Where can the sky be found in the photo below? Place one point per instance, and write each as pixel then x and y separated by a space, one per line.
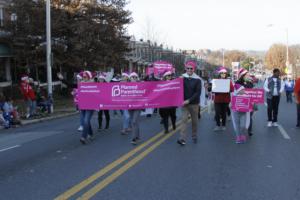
pixel 216 24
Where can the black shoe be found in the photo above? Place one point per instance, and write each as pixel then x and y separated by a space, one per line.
pixel 82 140
pixel 195 140
pixel 181 142
pixel 250 133
pixel 174 127
pixel 297 125
pixel 166 131
pixel 135 141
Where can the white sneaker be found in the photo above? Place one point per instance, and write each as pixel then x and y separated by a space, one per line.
pixel 275 124
pixel 269 124
pixel 217 128
pixel 80 128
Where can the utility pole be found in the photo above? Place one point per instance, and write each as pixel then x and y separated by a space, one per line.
pixel 49 68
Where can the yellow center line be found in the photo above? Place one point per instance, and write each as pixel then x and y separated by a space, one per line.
pixel 70 192
pixel 97 188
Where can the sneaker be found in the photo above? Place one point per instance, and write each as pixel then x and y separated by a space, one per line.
pixel 238 140
pixel 82 140
pixel 123 132
pixel 250 133
pixel 275 124
pixel 269 124
pixel 223 128
pixel 181 142
pixel 80 128
pixel 135 141
pixel 27 116
pixel 90 137
pixel 217 128
pixel 243 138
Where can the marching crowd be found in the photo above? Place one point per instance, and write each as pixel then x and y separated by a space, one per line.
pixel 197 93
pixel 195 88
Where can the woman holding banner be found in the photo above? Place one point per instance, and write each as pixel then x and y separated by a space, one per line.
pixel 167 112
pixel 101 79
pixel 135 115
pixel 241 118
pixel 222 87
pixel 125 114
pixel 87 114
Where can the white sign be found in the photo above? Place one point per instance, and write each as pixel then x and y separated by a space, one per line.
pixel 221 85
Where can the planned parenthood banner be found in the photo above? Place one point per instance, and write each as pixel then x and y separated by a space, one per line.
pixel 130 95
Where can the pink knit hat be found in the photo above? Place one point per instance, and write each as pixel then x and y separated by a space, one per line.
pixel 132 74
pixel 87 74
pixel 191 63
pixel 242 72
pixel 222 70
pixel 167 73
pixel 125 74
pixel 24 77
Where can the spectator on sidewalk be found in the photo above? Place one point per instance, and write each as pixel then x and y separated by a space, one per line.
pixel 29 96
pixel 289 89
pixel 297 99
pixel 43 102
pixel 192 91
pixel 10 113
pixel 273 87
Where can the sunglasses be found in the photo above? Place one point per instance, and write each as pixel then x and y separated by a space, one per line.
pixel 134 77
pixel 188 68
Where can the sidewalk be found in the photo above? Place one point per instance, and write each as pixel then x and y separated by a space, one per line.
pixel 58 113
pixel 63 107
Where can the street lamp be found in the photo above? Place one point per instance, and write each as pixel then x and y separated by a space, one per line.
pixel 49 68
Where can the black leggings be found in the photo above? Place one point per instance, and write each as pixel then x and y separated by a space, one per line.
pixel 165 113
pixel 107 118
pixel 221 112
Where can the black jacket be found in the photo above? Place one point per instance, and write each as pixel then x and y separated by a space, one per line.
pixel 192 90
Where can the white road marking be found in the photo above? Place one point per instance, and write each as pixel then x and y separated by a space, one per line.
pixel 8 148
pixel 283 132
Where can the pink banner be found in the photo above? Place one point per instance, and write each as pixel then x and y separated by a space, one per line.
pixel 130 95
pixel 256 95
pixel 160 67
pixel 241 104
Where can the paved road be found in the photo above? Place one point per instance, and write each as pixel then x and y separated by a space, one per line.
pixel 46 161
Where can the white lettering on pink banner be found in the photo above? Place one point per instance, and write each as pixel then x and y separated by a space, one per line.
pixel 124 95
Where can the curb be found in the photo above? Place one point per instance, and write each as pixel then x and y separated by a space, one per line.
pixel 26 122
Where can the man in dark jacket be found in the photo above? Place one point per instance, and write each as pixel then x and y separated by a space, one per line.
pixel 192 91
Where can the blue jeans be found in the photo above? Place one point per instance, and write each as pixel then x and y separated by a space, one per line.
pixel 31 104
pixel 81 117
pixel 87 128
pixel 135 122
pixel 126 119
